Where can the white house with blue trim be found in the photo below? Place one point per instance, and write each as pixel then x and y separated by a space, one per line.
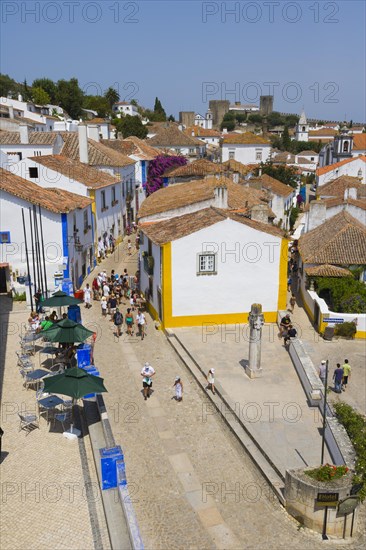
pixel 67 227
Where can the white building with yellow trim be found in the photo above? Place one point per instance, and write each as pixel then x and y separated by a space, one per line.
pixel 204 260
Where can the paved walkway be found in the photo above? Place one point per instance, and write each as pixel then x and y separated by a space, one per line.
pixel 50 495
pixel 191 483
pixel 335 351
pixel 274 407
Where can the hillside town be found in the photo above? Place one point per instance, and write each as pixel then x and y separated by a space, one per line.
pixel 241 227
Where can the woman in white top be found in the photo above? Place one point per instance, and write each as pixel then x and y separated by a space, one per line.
pixel 211 380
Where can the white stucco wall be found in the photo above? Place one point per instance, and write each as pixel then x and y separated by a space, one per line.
pixel 14 253
pixel 249 275
pixel 246 154
pixel 348 169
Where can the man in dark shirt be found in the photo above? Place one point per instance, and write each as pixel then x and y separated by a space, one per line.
pixel 291 333
pixel 338 377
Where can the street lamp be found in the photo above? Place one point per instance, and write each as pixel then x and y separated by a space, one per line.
pixel 324 411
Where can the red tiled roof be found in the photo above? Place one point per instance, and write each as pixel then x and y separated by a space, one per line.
pixel 331 167
pixel 54 200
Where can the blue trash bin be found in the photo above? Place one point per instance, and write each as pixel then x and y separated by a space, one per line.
pixel 83 355
pixel 74 314
pixel 108 466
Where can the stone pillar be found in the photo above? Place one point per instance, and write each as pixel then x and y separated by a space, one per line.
pixel 256 322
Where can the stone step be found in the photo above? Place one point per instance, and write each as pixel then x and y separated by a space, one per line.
pixel 223 405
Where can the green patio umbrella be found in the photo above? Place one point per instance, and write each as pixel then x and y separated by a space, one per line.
pixel 61 299
pixel 67 331
pixel 75 383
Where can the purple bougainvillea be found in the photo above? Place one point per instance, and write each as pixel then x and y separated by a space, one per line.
pixel 156 169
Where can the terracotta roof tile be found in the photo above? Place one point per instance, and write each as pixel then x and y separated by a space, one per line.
pixel 54 200
pixel 165 231
pixel 341 240
pixel 199 167
pixel 323 132
pixel 35 138
pixel 273 185
pixel 179 195
pixel 359 142
pixel 172 136
pixel 331 167
pixel 337 187
pixel 327 270
pixel 235 166
pixel 99 154
pixel 246 138
pixel 201 132
pixel 76 170
pixel 132 146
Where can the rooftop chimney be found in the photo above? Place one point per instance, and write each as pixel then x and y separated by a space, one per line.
pixel 317 214
pixel 93 131
pixel 83 143
pixel 24 136
pixel 350 193
pixel 259 213
pixel 20 97
pixel 220 191
pixel 11 111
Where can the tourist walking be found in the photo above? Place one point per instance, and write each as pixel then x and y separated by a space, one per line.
pixel 147 373
pixel 338 377
pixel 129 247
pixel 95 287
pixel 292 303
pixel 346 374
pixel 104 306
pixel 87 296
pixel 289 283
pixel 284 325
pixel 141 323
pixel 211 380
pixel 118 320
pixel 178 384
pixel 323 371
pixel 129 322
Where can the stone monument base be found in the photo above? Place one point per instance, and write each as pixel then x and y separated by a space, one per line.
pixel 253 373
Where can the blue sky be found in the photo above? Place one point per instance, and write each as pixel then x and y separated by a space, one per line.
pixel 311 54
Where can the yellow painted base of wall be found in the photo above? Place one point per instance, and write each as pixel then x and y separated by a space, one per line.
pixel 215 319
pixel 360 335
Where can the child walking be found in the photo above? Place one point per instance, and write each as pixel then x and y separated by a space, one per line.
pixel 178 384
pixel 104 306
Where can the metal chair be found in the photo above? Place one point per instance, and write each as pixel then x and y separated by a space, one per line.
pixel 28 422
pixel 62 418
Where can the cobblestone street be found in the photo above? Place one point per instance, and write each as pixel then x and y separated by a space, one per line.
pixel 191 482
pixel 49 489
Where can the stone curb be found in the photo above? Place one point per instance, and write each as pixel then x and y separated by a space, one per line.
pixel 271 474
pixel 121 520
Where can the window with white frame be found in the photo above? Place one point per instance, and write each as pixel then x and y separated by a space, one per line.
pixel 231 154
pixel 206 264
pixel 104 204
pixel 258 154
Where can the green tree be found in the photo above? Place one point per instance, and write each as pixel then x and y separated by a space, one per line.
pixel 40 97
pixel 47 85
pixel 291 120
pixel 131 126
pixel 134 102
pixel 112 96
pixel 97 103
pixel 171 118
pixel 255 118
pixel 7 85
pixel 70 97
pixel 287 174
pixel 275 119
pixel 286 141
pixel 159 110
pixel 240 117
pixel 27 95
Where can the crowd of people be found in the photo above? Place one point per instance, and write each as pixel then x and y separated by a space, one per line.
pixel 114 290
pixel 340 377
